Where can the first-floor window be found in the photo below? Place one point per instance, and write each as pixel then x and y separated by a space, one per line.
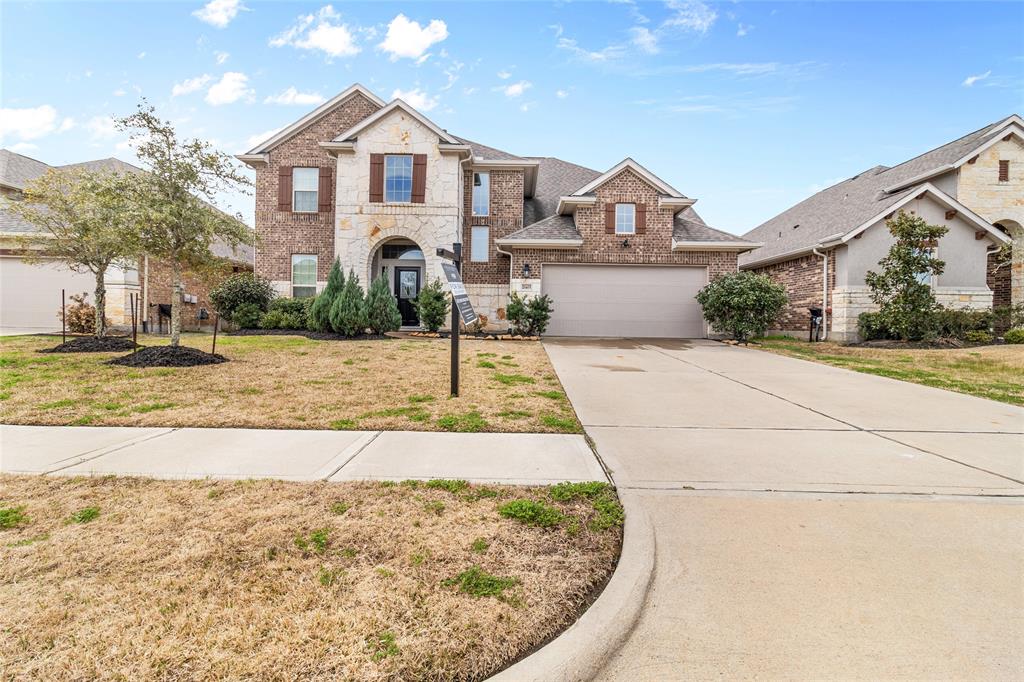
pixel 926 277
pixel 625 218
pixel 303 275
pixel 480 241
pixel 305 186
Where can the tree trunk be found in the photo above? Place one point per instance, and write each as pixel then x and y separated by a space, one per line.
pixel 100 295
pixel 176 304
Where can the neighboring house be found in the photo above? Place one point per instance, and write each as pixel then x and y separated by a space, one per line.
pixel 822 248
pixel 30 292
pixel 381 187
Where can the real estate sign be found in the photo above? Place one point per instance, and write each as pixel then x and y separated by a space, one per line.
pixel 458 289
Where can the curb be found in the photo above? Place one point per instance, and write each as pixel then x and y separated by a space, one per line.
pixel 591 642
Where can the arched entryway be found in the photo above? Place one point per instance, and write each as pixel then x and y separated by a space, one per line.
pixel 402 263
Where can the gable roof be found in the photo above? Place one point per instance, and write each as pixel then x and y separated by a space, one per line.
pixel 659 184
pixel 313 116
pixel 394 105
pixel 555 178
pixel 838 210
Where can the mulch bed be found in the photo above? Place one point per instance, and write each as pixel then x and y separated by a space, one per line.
pixel 315 336
pixel 91 344
pixel 169 356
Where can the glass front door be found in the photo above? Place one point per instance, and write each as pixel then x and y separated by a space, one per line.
pixel 407 288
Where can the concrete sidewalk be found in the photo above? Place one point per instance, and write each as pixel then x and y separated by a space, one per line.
pixel 513 458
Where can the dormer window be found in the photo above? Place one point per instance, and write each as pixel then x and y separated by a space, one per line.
pixel 398 178
pixel 625 218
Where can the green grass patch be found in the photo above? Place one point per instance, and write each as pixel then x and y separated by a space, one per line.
pixel 532 513
pixel 553 421
pixel 453 486
pixel 512 379
pixel 435 507
pixel 339 508
pixel 487 355
pixel 317 541
pixel 382 645
pixel 152 407
pixel 486 364
pixel 479 546
pixel 468 422
pixel 552 395
pixel 416 399
pixel 330 576
pixel 12 517
pixel 84 515
pixel 344 424
pixel 30 541
pixel 477 582
pixel 58 404
pixel 608 512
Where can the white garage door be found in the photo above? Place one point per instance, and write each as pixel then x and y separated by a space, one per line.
pixel 30 294
pixel 624 300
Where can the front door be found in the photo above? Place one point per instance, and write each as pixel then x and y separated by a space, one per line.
pixel 407 288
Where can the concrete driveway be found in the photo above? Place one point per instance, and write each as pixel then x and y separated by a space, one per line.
pixel 810 522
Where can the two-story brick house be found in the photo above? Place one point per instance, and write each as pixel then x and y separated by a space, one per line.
pixel 381 187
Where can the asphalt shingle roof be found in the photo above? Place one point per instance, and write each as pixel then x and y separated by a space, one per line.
pixel 555 178
pixel 482 151
pixel 850 203
pixel 690 227
pixel 16 169
pixel 552 227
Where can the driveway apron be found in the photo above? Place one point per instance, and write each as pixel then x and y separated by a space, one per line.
pixel 810 522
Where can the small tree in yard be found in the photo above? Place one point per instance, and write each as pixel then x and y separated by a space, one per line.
pixel 382 314
pixel 240 289
pixel 83 221
pixel 742 304
pixel 174 203
pixel 432 305
pixel 529 317
pixel 320 314
pixel 902 290
pixel 348 312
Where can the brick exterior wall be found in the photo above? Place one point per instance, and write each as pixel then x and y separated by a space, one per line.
pixel 654 247
pixel 505 216
pixel 802 279
pixel 196 284
pixel 998 280
pixel 281 233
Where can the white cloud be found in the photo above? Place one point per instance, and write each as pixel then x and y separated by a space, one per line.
pixel 644 39
pixel 406 38
pixel 67 124
pixel 219 13
pixel 190 85
pixel 232 87
pixel 743 29
pixel 416 98
pixel 561 94
pixel 120 92
pixel 469 91
pixel 142 55
pixel 971 80
pixel 504 75
pixel 452 73
pixel 29 123
pixel 23 147
pixel 322 31
pixel 221 57
pixel 292 96
pixel 254 140
pixel 606 54
pixel 515 89
pixel 101 127
pixel 690 15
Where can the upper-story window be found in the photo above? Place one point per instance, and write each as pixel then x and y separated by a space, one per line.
pixel 625 218
pixel 398 178
pixel 305 185
pixel 481 193
pixel 1004 170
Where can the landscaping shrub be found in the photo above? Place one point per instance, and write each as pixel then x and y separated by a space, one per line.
pixel 287 313
pixel 81 316
pixel 319 319
pixel 382 313
pixel 348 312
pixel 247 316
pixel 979 336
pixel 956 324
pixel 742 304
pixel 907 304
pixel 1008 317
pixel 1015 335
pixel 241 289
pixel 529 317
pixel 432 305
pixel 870 327
pixel 531 513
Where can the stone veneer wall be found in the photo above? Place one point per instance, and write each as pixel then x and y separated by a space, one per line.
pixel 282 233
pixel 802 279
pixel 849 302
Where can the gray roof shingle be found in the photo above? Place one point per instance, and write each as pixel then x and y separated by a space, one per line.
pixel 16 169
pixel 552 227
pixel 690 227
pixel 482 151
pixel 555 178
pixel 850 203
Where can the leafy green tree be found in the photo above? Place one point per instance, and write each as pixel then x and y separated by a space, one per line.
pixel 83 222
pixel 902 289
pixel 348 312
pixel 320 313
pixel 243 287
pixel 529 316
pixel 382 313
pixel 174 203
pixel 742 304
pixel 432 305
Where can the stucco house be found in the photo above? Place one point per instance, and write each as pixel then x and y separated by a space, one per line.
pixel 822 247
pixel 30 288
pixel 381 187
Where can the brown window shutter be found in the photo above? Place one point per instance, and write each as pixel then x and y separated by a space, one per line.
pixel 326 190
pixel 284 188
pixel 376 177
pixel 419 178
pixel 1004 171
pixel 609 218
pixel 641 218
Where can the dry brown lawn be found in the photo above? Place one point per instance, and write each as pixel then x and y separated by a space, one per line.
pixel 198 580
pixel 993 372
pixel 291 382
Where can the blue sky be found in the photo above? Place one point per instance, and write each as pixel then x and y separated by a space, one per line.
pixel 747 106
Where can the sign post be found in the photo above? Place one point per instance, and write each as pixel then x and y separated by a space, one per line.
pixel 461 307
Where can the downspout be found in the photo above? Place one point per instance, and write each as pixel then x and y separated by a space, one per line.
pixel 145 292
pixel 824 292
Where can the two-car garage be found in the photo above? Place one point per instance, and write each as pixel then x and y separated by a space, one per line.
pixel 625 300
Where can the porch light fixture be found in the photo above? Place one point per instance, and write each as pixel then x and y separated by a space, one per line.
pixel 526 270
pixel 625 243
